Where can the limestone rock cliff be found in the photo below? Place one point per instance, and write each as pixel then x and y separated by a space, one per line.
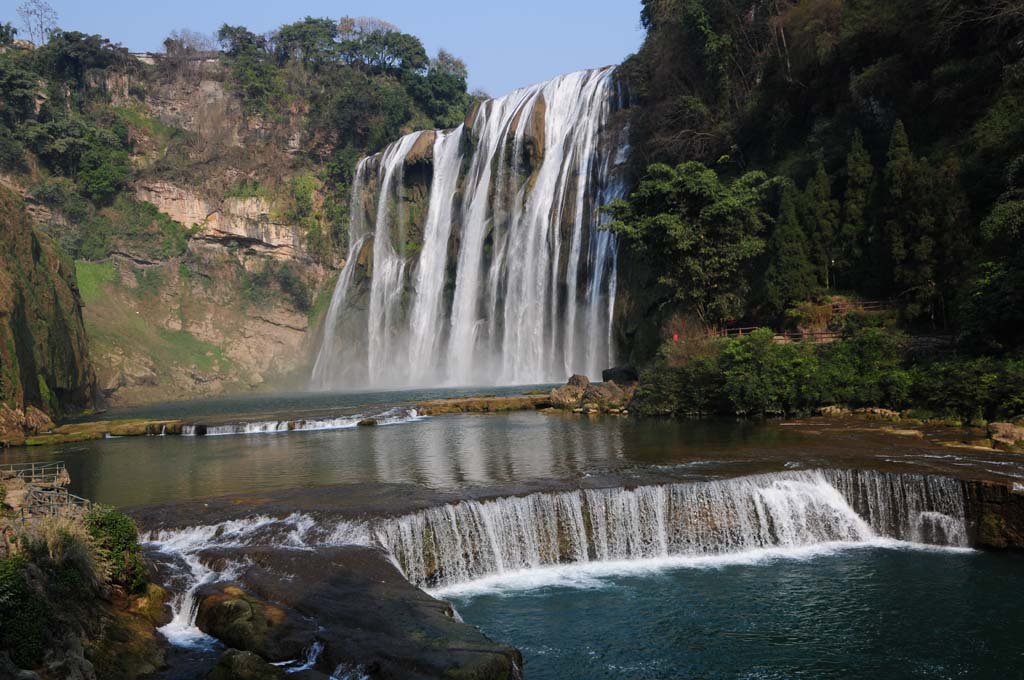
pixel 44 359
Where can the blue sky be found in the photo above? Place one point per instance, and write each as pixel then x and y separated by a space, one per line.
pixel 505 44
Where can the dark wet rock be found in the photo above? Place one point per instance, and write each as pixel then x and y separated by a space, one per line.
pixel 154 605
pixel 370 617
pixel 239 665
pixel 9 670
pixel 245 622
pixel 367 422
pixel 995 513
pixel 620 374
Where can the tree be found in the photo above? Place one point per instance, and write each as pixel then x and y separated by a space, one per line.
pixel 7 33
pixel 39 18
pixel 252 72
pixel 855 230
pixel 310 41
pixel 183 49
pixel 447 64
pixel 992 302
pixel 70 54
pixel 790 274
pixel 821 223
pixel 908 224
pixel 699 233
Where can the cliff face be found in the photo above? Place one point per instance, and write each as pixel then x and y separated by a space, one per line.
pixel 203 281
pixel 44 360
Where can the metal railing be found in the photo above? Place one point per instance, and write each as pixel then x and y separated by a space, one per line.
pixel 52 503
pixel 35 473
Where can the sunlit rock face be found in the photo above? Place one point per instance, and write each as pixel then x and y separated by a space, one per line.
pixel 476 254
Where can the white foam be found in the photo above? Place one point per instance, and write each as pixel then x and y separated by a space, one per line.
pixel 594 575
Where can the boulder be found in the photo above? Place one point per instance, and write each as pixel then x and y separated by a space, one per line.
pixel 367 422
pixel 880 413
pixel 607 396
pixel 622 375
pixel 569 395
pixel 245 622
pixel 238 665
pixel 833 411
pixel 1007 435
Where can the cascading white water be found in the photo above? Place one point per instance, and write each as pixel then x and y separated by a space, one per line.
pixel 459 542
pixel 511 281
pixel 462 542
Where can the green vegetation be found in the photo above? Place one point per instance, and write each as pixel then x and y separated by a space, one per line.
pixel 257 286
pixel 901 122
pixel 137 119
pixel 91 277
pixel 756 376
pixel 55 596
pixel 117 544
pixel 24 612
pixel 133 226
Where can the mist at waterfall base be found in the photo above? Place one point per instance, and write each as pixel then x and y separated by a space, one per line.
pixel 868 613
pixel 506 278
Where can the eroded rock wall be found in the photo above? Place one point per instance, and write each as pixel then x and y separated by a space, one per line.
pixel 44 359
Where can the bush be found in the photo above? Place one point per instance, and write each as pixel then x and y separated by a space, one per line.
pixel 971 389
pixel 24 613
pixel 63 547
pixel 754 375
pixel 865 369
pixel 762 376
pixel 117 542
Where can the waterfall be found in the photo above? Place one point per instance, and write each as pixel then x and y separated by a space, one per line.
pixel 468 540
pixel 488 265
pixel 461 542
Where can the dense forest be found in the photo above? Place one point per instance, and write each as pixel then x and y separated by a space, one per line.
pixel 795 155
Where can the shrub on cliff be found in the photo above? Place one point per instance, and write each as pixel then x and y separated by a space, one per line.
pixel 117 544
pixel 24 613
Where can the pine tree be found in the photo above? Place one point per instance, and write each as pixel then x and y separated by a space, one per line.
pixel 790 274
pixel 854 231
pixel 896 209
pixel 822 222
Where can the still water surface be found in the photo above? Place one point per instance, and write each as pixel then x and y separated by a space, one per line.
pixel 449 453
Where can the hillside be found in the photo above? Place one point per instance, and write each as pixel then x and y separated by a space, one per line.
pixel 203 193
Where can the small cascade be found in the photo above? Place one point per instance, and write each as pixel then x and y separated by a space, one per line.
pixel 475 254
pixel 182 550
pixel 915 508
pixel 388 417
pixel 464 541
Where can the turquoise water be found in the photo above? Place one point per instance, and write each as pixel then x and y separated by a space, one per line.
pixel 868 613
